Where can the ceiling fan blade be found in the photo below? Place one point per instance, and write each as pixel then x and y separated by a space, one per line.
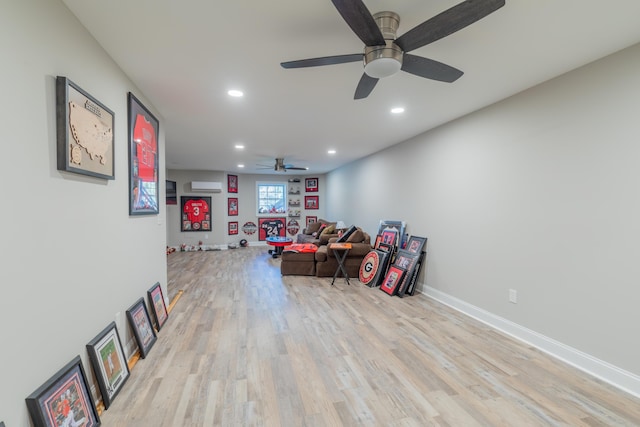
pixel 358 17
pixel 430 69
pixel 325 60
pixel 295 168
pixel 365 86
pixel 447 22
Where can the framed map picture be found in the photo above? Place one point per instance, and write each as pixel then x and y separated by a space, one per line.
pixel 196 213
pixel 143 159
pixel 84 132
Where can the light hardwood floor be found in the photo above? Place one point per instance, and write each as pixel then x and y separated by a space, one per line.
pixel 245 346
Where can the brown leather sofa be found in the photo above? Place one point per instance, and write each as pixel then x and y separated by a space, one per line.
pixel 326 262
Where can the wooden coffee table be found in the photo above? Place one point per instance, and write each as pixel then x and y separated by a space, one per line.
pixel 278 243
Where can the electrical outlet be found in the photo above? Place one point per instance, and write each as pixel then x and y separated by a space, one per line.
pixel 513 296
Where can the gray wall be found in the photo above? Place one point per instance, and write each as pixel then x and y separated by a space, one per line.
pixel 538 193
pixel 246 205
pixel 72 257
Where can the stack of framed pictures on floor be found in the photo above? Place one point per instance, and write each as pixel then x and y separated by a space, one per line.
pixel 65 399
pixel 402 275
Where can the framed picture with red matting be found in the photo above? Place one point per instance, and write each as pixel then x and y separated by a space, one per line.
pixel 393 279
pixel 232 183
pixel 232 206
pixel 311 202
pixel 271 227
pixel 311 185
pixel 64 398
pixel 233 228
pixel 158 307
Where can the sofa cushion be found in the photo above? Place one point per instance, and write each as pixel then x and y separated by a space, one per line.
pixel 356 237
pixel 312 228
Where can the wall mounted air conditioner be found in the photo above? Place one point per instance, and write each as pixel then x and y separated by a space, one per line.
pixel 206 186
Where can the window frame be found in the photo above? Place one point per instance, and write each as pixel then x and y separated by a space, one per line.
pixel 284 200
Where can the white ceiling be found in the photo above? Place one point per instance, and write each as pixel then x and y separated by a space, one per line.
pixel 184 56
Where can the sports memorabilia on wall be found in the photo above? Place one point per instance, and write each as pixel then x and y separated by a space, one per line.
pixel 232 183
pixel 268 227
pixel 196 213
pixel 143 159
pixel 233 228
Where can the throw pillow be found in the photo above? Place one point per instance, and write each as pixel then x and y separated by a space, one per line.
pixel 320 230
pixel 347 234
pixel 329 229
pixel 313 227
pixel 356 237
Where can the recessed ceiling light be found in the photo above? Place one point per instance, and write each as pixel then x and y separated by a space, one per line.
pixel 240 146
pixel 235 93
pixel 331 151
pixel 397 110
pixel 240 165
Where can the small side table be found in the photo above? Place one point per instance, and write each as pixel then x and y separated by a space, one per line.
pixel 279 243
pixel 340 250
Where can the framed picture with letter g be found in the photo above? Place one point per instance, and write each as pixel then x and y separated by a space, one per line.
pixel 143 159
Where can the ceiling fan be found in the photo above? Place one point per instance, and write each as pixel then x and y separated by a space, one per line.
pixel 281 166
pixel 384 54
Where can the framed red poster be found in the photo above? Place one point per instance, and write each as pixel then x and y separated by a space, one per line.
pixel 143 159
pixel 232 183
pixel 271 227
pixel 233 228
pixel 311 185
pixel 311 202
pixel 196 213
pixel 232 206
pixel 393 279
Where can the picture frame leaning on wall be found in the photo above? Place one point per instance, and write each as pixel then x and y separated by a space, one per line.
pixel 108 362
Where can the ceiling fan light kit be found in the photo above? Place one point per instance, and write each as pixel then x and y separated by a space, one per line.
pixel 385 55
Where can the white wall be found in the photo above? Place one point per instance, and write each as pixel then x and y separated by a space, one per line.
pixel 246 196
pixel 538 193
pixel 72 257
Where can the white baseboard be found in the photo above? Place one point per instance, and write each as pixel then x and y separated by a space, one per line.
pixel 607 372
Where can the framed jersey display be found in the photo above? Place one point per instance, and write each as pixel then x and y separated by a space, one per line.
pixel 268 227
pixel 196 213
pixel 84 132
pixel 143 159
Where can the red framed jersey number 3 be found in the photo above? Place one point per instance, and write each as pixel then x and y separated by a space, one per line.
pixel 196 213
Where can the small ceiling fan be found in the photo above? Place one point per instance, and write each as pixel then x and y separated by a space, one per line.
pixel 281 166
pixel 385 55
